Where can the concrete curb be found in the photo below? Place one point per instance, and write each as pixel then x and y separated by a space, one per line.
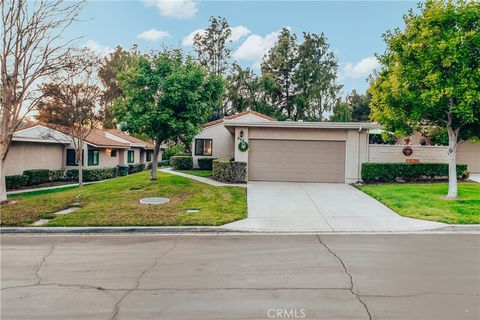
pixel 107 230
pixel 218 230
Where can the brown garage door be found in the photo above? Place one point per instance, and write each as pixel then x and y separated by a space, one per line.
pixel 296 160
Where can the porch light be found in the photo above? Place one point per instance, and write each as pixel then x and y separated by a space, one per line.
pixel 109 151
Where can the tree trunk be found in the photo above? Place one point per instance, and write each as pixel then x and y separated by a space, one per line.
pixel 156 152
pixel 3 185
pixel 452 163
pixel 80 166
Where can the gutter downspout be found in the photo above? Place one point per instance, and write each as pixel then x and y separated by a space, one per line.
pixel 358 154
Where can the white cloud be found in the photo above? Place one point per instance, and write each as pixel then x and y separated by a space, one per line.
pixel 237 33
pixel 188 39
pixel 361 69
pixel 180 9
pixel 98 48
pixel 254 48
pixel 153 35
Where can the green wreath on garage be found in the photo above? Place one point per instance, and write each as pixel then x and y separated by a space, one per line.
pixel 243 146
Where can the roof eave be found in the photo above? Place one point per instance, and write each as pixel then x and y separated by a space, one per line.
pixel 230 125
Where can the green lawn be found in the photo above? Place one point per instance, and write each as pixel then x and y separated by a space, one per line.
pixel 199 173
pixel 116 203
pixel 424 201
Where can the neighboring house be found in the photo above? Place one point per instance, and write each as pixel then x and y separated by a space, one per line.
pixel 48 146
pixel 309 151
pixel 286 150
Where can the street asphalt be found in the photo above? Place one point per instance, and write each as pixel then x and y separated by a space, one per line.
pixel 227 276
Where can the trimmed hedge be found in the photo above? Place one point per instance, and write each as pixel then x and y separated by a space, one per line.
pixel 385 172
pixel 37 176
pixel 122 170
pixel 181 162
pixel 205 163
pixel 57 175
pixel 16 182
pixel 162 163
pixel 137 167
pixel 227 170
pixel 93 174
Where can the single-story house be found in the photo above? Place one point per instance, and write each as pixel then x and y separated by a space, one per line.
pixel 287 150
pixel 49 146
pixel 298 151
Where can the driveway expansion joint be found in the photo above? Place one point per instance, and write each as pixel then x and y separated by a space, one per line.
pixel 347 272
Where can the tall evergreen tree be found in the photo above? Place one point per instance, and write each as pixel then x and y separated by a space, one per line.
pixel 315 78
pixel 111 66
pixel 211 46
pixel 280 64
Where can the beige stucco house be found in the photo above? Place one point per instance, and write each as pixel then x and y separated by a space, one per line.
pixel 47 146
pixel 308 151
pixel 286 150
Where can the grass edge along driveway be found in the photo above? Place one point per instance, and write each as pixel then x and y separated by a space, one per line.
pixel 116 203
pixel 424 201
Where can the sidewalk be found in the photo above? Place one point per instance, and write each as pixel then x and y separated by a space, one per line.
pixel 201 179
pixel 475 177
pixel 54 187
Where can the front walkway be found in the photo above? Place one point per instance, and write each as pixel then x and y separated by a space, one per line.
pixel 475 177
pixel 202 179
pixel 310 207
pixel 53 187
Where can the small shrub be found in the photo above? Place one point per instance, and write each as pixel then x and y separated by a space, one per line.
pixel 16 182
pixel 227 170
pixel 37 176
pixel 57 175
pixel 181 162
pixel 122 170
pixel 137 167
pixel 164 163
pixel 175 150
pixel 205 163
pixel 385 172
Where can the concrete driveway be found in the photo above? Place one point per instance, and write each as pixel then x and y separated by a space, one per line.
pixel 290 206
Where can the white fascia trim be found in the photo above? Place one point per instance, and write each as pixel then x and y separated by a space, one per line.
pixel 306 125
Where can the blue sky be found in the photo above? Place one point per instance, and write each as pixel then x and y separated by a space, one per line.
pixel 353 28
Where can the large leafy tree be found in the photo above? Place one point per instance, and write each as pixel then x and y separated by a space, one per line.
pixel 211 46
pixel 213 52
pixel 33 48
pixel 280 65
pixel 166 96
pixel 315 78
pixel 110 67
pixel 342 112
pixel 360 104
pixel 71 99
pixel 431 75
pixel 304 76
pixel 248 91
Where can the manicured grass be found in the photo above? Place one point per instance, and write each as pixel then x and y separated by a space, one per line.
pixel 116 203
pixel 199 173
pixel 424 201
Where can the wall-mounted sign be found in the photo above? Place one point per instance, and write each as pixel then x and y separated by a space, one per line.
pixel 408 151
